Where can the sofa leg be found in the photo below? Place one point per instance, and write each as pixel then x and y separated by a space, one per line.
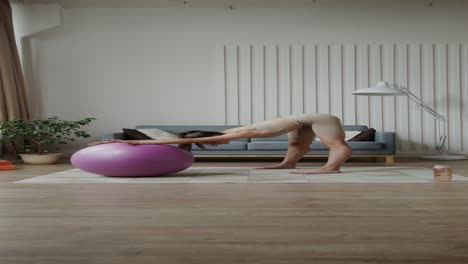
pixel 389 160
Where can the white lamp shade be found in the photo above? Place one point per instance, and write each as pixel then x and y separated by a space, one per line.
pixel 381 89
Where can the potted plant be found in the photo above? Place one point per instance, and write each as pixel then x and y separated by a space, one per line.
pixel 39 133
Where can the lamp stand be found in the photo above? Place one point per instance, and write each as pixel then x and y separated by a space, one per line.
pixel 385 89
pixel 441 126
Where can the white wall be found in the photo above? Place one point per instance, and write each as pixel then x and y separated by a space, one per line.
pixel 33 19
pixel 158 66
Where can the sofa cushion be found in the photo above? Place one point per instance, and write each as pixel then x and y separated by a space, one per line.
pixel 348 135
pixel 278 138
pixel 178 129
pixel 156 133
pixel 366 135
pixel 357 145
pixel 355 127
pixel 133 134
pixel 233 145
pixel 282 145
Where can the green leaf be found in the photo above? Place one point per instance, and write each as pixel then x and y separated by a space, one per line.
pixel 43 131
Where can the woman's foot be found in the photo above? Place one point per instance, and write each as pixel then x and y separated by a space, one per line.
pixel 338 155
pixel 278 166
pixel 320 171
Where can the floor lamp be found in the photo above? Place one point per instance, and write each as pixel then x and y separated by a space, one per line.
pixel 386 89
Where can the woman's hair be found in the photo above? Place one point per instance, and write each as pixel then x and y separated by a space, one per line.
pixel 196 134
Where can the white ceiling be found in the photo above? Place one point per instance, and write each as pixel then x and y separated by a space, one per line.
pixel 221 3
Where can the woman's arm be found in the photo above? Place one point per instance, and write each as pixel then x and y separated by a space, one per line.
pixel 147 141
pixel 222 139
pixel 160 141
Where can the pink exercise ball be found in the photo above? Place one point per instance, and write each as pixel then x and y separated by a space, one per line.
pixel 125 160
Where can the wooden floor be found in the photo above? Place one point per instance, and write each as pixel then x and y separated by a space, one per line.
pixel 233 223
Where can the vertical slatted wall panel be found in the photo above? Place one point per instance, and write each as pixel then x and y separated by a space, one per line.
pixel 245 85
pixel 323 79
pixel 310 79
pixel 349 84
pixel 388 102
pixel 427 95
pixel 336 81
pixel 271 82
pixel 453 94
pixel 362 81
pixel 232 85
pixel 441 79
pixel 284 80
pixel 258 82
pixel 220 93
pixel 414 85
pixel 375 75
pixel 297 80
pixel 401 77
pixel 464 98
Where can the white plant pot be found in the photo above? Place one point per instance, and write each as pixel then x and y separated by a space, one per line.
pixel 44 159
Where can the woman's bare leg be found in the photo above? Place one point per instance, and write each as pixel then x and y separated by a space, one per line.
pixel 298 146
pixel 339 153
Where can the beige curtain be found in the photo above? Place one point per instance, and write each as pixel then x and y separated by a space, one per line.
pixel 13 102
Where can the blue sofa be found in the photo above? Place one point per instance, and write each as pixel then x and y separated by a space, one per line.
pixel 383 146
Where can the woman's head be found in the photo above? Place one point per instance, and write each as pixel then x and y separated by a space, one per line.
pixel 196 134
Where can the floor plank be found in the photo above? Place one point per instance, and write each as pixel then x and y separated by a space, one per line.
pixel 233 223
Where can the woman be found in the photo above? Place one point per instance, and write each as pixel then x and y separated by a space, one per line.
pixel 301 130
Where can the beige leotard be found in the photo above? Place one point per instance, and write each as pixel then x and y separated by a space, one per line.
pixel 296 126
